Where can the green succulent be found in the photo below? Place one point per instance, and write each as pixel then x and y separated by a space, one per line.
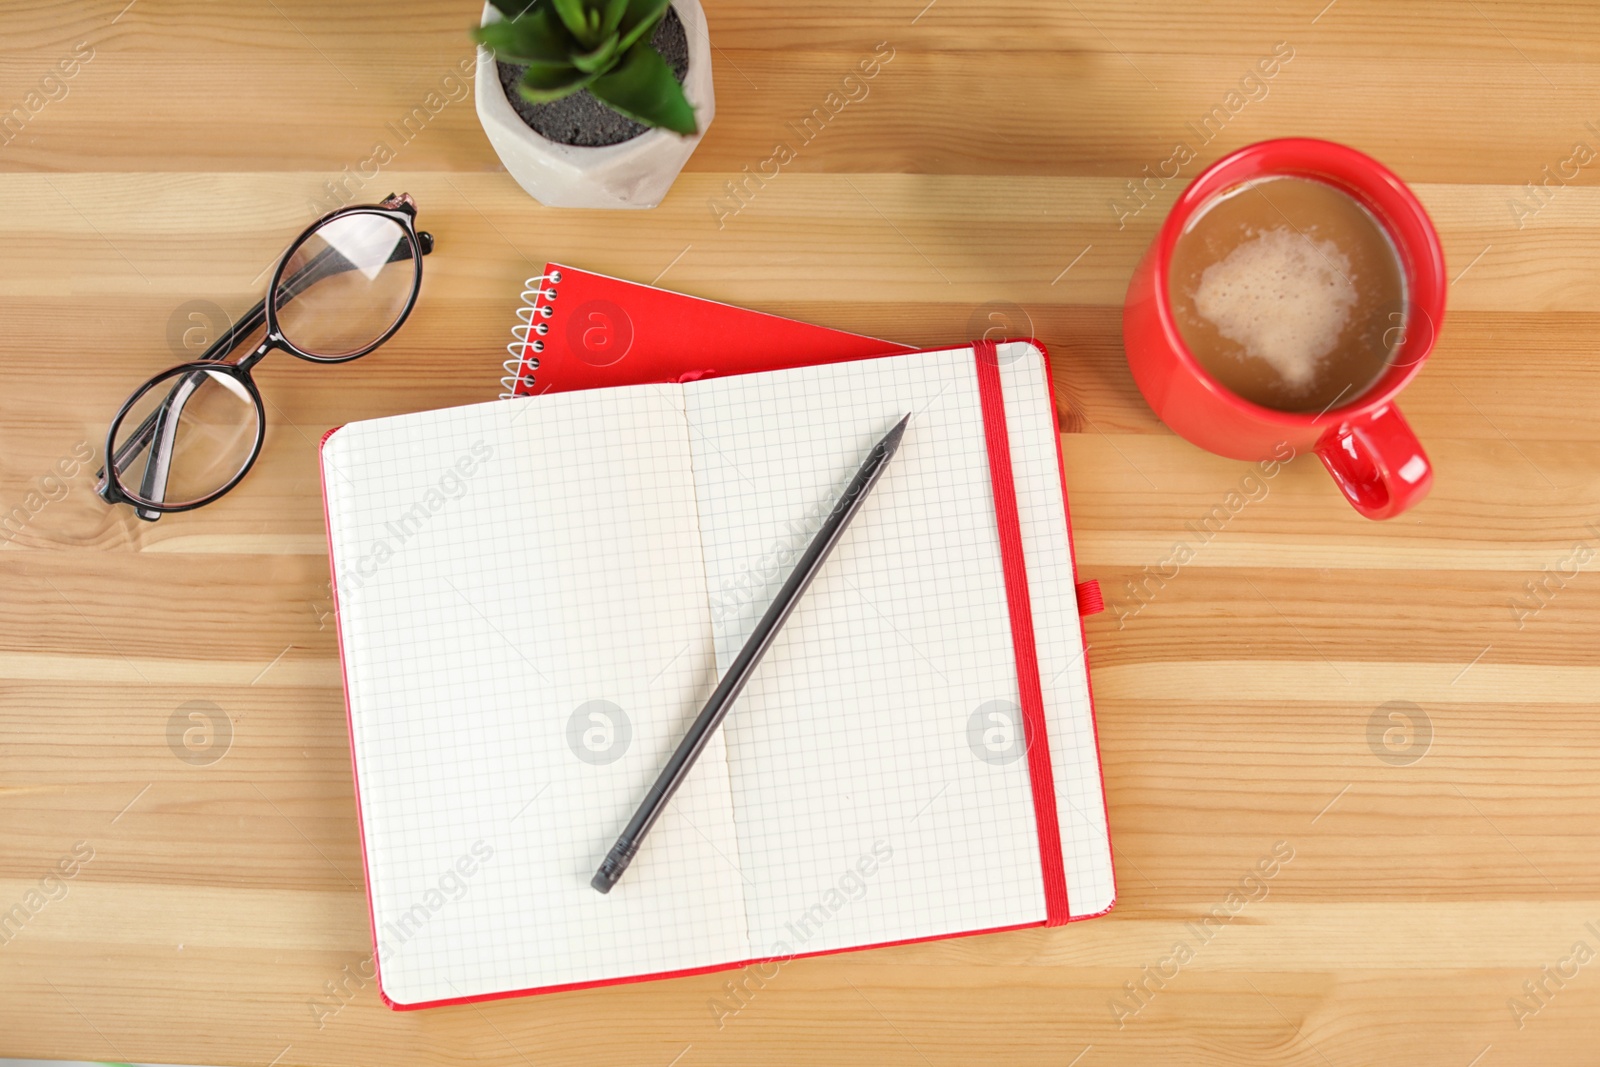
pixel 599 45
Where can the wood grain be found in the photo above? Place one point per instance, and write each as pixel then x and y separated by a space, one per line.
pixel 1241 701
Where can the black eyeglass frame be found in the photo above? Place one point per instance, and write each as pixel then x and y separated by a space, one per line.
pixel 401 209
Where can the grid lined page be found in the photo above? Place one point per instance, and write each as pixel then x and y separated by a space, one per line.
pixel 1058 635
pixel 867 806
pixel 526 636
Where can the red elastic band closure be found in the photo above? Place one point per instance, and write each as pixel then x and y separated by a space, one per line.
pixel 1030 691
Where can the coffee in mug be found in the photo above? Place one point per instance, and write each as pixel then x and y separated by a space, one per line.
pixel 1289 293
pixel 1315 352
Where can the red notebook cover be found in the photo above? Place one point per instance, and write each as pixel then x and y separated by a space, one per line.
pixel 579 330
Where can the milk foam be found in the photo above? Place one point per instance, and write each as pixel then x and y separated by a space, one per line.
pixel 1284 297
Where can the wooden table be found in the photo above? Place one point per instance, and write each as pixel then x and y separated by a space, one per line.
pixel 1442 859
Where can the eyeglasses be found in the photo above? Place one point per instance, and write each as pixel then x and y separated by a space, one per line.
pixel 188 435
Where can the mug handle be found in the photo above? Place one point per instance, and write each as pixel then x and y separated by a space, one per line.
pixel 1377 462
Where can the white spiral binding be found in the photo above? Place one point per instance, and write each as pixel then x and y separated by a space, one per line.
pixel 533 290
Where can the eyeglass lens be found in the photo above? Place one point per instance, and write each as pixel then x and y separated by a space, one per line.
pixel 345 285
pixel 203 426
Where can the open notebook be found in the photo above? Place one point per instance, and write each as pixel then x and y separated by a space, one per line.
pixel 536 597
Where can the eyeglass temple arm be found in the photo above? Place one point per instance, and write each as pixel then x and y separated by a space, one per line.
pixel 323 265
pixel 153 485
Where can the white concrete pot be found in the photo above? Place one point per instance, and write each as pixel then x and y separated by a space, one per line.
pixel 633 174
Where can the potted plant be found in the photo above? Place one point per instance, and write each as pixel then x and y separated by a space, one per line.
pixel 594 103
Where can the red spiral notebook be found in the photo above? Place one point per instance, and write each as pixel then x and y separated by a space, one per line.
pixel 536 596
pixel 580 330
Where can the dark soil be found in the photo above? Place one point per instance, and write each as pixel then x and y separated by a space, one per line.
pixel 582 120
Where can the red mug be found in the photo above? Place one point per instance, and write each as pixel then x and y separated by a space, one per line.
pixel 1366 445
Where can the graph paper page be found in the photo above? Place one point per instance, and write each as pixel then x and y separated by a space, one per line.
pixel 526 636
pixel 867 803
